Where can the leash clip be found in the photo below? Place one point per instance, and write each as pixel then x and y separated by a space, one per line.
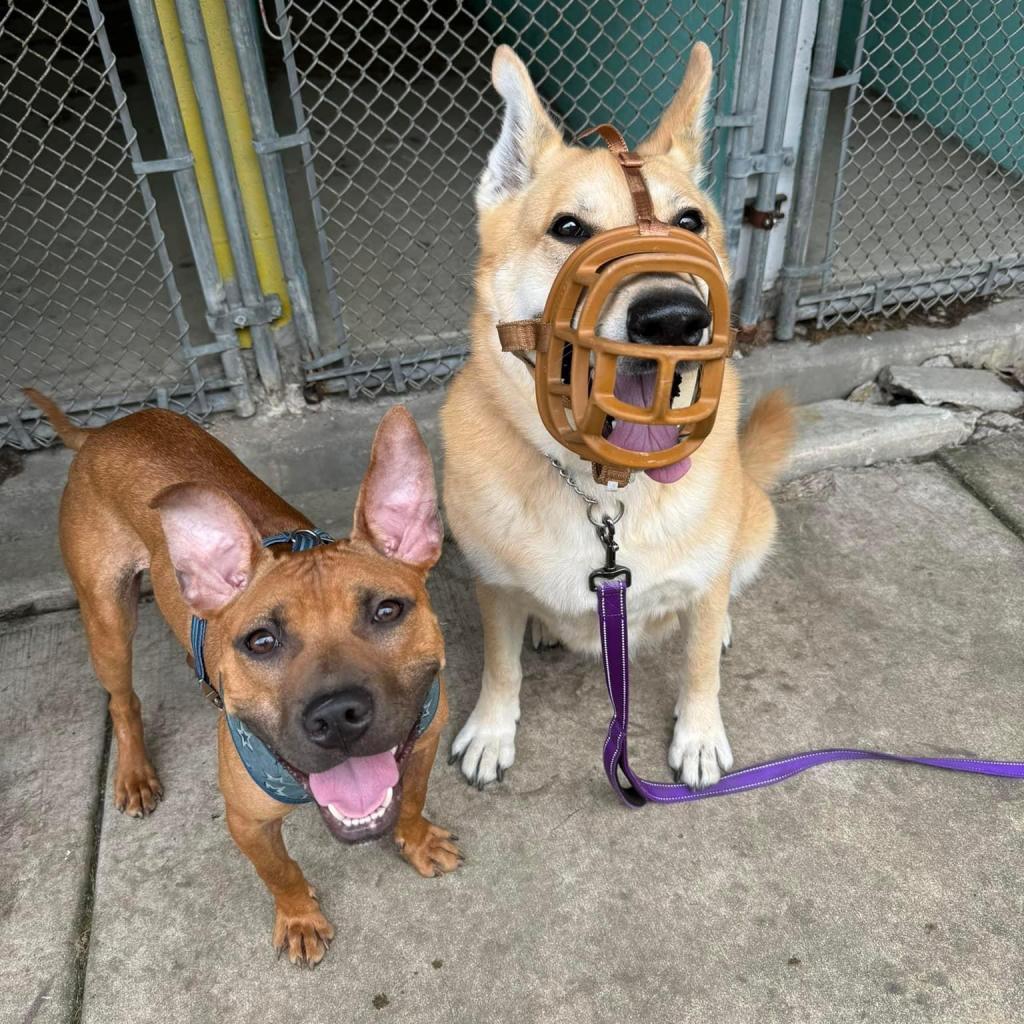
pixel 611 570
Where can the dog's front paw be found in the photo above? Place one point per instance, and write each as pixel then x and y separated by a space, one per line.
pixel 301 931
pixel 429 849
pixel 699 751
pixel 487 745
pixel 137 789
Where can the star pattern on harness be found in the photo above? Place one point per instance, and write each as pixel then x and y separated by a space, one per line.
pixel 280 784
pixel 245 736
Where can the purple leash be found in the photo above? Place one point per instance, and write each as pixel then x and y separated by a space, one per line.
pixel 635 791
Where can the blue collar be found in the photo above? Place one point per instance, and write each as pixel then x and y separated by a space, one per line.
pixel 262 764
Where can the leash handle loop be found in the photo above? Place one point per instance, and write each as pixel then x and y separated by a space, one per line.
pixel 635 791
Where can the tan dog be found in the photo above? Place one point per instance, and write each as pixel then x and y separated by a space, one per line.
pixel 693 533
pixel 325 655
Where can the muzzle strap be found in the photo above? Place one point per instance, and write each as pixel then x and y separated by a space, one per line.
pixel 517 336
pixel 630 162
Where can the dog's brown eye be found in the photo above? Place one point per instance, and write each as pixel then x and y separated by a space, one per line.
pixel 388 611
pixel 568 229
pixel 261 641
pixel 691 220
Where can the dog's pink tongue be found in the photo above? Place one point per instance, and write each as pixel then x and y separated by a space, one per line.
pixel 356 786
pixel 638 437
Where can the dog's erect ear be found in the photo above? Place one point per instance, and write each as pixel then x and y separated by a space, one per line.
pixel 525 133
pixel 683 122
pixel 211 541
pixel 397 506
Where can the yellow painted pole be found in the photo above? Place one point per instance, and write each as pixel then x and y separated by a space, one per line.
pixel 254 201
pixel 247 168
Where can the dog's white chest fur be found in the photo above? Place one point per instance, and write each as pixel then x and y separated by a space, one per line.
pixel 662 539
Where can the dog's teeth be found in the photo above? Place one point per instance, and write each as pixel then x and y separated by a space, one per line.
pixel 336 814
pixel 394 750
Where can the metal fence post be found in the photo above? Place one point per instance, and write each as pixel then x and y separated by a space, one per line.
pixel 774 132
pixel 805 187
pixel 131 137
pixel 204 82
pixel 741 122
pixel 268 146
pixel 179 162
pixel 340 353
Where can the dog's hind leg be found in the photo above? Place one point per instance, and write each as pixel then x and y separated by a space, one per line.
pixel 487 742
pixel 699 751
pixel 104 560
pixel 757 533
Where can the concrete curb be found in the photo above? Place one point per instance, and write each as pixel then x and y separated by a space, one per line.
pixel 295 454
pixel 832 369
pixel 838 434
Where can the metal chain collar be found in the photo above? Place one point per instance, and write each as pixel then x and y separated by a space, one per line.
pixel 591 502
pixel 604 528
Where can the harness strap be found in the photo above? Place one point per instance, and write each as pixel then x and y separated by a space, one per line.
pixel 636 791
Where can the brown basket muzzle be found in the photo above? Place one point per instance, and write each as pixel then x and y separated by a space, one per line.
pixel 581 290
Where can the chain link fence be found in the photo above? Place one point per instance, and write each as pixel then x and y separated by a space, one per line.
pixel 400 112
pixel 920 203
pixel 909 196
pixel 89 309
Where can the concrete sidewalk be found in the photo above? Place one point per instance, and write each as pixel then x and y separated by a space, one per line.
pixel 891 616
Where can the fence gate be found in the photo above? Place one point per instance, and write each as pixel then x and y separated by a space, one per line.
pixel 400 114
pixel 89 307
pixel 911 193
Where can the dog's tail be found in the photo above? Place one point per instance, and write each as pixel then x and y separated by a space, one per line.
pixel 74 437
pixel 767 438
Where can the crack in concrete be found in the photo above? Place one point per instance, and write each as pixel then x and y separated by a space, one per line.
pixel 83 918
pixel 990 504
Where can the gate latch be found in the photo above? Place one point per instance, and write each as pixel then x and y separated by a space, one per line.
pixel 765 220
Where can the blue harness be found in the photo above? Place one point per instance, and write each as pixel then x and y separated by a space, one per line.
pixel 262 764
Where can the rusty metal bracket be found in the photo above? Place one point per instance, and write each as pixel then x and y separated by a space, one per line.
pixel 764 220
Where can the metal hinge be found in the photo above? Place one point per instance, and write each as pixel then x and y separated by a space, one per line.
pixel 759 163
pixel 281 142
pixel 765 220
pixel 239 316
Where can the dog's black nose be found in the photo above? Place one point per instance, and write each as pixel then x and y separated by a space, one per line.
pixel 667 317
pixel 338 719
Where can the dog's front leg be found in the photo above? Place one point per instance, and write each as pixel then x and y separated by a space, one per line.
pixel 700 751
pixel 487 742
pixel 254 821
pixel 431 850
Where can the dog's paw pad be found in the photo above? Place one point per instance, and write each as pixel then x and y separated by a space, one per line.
pixel 137 790
pixel 302 937
pixel 700 750
pixel 486 745
pixel 429 849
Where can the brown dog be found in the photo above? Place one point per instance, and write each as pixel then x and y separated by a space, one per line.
pixel 325 655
